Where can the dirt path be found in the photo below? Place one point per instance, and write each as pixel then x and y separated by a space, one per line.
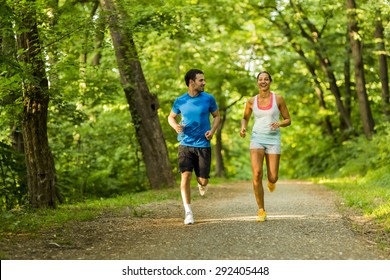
pixel 303 224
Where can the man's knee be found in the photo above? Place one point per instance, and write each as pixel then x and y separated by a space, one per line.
pixel 186 175
pixel 203 181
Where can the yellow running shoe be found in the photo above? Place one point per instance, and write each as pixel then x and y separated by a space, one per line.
pixel 261 216
pixel 271 186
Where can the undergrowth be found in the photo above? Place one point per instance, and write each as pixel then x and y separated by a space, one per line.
pixel 31 221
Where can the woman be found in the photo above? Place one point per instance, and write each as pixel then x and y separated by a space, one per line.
pixel 265 139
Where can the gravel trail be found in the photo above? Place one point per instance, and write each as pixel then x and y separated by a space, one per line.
pixel 303 224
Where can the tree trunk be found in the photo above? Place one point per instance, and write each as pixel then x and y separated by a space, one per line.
pixel 219 164
pixel 383 70
pixel 320 94
pixel 347 78
pixel 314 38
pixel 39 160
pixel 356 47
pixel 317 88
pixel 325 63
pixel 99 38
pixel 347 82
pixel 220 170
pixel 327 68
pixel 143 105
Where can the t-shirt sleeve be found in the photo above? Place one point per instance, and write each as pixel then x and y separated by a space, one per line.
pixel 175 107
pixel 213 104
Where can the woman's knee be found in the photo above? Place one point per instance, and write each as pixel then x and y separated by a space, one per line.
pixel 273 178
pixel 257 175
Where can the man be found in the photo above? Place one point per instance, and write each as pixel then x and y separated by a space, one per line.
pixel 195 133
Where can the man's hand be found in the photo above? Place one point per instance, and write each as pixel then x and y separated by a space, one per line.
pixel 208 135
pixel 179 128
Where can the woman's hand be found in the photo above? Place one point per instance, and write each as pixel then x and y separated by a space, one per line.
pixel 243 132
pixel 274 125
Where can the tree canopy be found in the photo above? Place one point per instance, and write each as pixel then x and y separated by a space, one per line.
pixel 313 49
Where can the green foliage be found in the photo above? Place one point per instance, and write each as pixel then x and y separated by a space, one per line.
pixel 93 142
pixel 91 136
pixel 357 157
pixel 368 195
pixel 362 176
pixel 100 161
pixel 13 188
pixel 325 157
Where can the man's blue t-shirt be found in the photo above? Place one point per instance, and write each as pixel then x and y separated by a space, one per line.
pixel 195 113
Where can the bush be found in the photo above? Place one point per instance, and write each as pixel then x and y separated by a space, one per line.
pixel 13 187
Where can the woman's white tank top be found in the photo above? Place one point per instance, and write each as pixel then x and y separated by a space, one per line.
pixel 264 116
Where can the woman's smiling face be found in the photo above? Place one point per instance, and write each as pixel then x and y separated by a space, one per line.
pixel 263 81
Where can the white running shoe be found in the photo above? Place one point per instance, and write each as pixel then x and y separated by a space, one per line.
pixel 189 219
pixel 202 189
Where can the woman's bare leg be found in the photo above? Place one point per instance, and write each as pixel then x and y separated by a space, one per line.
pixel 272 161
pixel 257 158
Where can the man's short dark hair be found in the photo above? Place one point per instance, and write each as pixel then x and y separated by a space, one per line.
pixel 191 75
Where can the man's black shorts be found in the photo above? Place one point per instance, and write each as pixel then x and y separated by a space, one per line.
pixel 195 159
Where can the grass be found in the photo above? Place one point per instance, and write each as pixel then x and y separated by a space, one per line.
pixel 361 176
pixel 23 221
pixel 369 197
pixel 369 200
pixel 29 221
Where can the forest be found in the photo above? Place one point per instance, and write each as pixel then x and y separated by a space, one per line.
pixel 86 87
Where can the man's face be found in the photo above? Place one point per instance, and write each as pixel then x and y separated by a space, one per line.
pixel 199 83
